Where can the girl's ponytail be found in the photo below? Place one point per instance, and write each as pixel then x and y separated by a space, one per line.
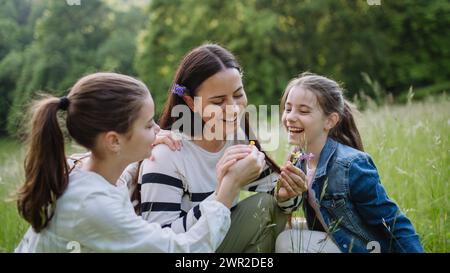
pixel 346 131
pixel 46 169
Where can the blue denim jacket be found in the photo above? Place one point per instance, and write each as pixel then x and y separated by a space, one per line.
pixel 354 205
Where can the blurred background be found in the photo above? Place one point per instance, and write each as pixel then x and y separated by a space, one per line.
pixel 392 57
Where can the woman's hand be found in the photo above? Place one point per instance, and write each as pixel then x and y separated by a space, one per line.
pixel 232 155
pixel 168 138
pixel 293 182
pixel 239 172
pixel 247 169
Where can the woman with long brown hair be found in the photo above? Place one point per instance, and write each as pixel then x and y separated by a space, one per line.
pixel 112 116
pixel 207 88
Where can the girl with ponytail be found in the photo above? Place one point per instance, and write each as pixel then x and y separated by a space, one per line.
pixel 83 208
pixel 346 207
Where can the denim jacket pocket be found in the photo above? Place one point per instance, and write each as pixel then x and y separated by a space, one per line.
pixel 342 216
pixel 335 206
pixel 333 201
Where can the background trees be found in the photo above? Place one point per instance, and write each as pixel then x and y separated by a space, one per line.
pixel 373 50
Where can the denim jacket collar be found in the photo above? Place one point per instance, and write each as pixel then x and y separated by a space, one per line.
pixel 325 156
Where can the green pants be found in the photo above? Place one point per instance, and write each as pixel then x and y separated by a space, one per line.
pixel 255 225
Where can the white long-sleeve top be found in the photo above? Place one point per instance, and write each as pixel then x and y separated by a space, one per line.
pixel 95 216
pixel 176 184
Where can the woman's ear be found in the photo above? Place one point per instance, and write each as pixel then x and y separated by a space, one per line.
pixel 331 121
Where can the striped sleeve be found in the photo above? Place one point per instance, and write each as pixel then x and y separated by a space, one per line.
pixel 163 190
pixel 290 205
pixel 264 183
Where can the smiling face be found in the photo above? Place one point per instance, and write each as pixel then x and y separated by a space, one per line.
pixel 303 118
pixel 223 100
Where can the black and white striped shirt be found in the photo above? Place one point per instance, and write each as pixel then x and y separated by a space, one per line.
pixel 176 182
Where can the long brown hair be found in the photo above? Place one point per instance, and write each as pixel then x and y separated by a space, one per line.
pixel 331 100
pixel 97 103
pixel 197 66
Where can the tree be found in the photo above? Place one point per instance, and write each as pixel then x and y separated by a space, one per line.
pixel 244 27
pixel 17 20
pixel 66 39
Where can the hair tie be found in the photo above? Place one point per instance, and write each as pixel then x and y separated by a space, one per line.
pixel 64 103
pixel 179 90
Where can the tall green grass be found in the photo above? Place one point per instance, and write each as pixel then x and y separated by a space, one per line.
pixel 409 145
pixel 12 227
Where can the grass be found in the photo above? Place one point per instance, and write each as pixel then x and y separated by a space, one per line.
pixel 409 145
pixel 11 172
pixel 424 92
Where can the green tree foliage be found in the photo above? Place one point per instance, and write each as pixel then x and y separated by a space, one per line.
pixel 17 20
pixel 247 28
pixel 398 43
pixel 67 43
pixel 373 49
pixel 64 48
pixel 417 40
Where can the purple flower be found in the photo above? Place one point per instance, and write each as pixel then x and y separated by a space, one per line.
pixel 306 156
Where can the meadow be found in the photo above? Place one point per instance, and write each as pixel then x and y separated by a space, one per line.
pixel 408 143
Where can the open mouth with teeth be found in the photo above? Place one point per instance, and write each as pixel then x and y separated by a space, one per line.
pixel 295 130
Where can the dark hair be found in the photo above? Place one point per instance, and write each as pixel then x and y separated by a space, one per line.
pixel 197 66
pixel 97 103
pixel 331 100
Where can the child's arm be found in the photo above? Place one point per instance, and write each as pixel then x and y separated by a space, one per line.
pixel 375 207
pixel 118 229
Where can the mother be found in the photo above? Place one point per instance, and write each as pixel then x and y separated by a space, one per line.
pixel 175 182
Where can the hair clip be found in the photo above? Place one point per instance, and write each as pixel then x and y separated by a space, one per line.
pixel 179 90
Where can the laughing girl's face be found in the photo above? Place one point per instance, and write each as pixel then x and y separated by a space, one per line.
pixel 303 118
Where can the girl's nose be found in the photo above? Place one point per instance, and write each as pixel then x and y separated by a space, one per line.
pixel 291 117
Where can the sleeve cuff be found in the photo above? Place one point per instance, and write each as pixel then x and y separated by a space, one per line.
pixel 290 204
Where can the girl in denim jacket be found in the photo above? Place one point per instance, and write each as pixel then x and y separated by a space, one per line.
pixel 346 207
